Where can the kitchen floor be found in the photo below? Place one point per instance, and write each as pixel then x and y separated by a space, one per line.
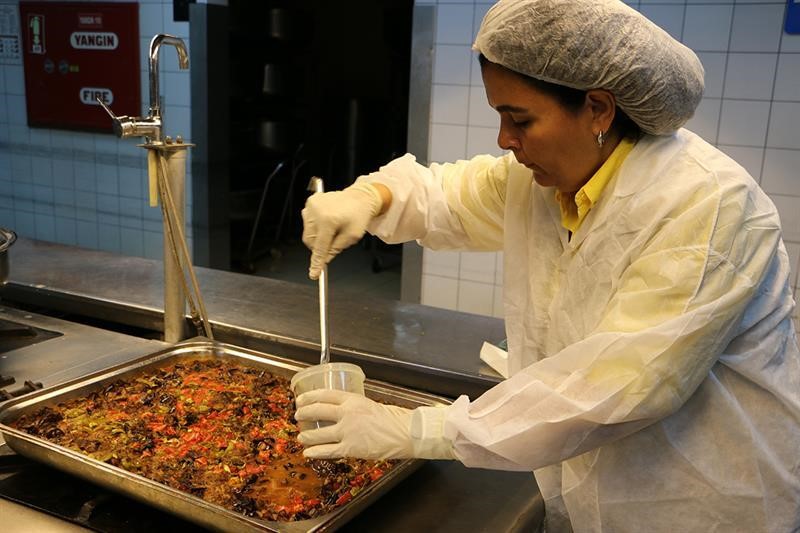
pixel 351 271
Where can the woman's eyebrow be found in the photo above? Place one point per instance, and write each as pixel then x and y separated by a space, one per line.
pixel 510 109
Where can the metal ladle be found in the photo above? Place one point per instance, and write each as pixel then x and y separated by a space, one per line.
pixel 316 185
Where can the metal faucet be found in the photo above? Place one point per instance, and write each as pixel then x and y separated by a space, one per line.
pixel 151 126
pixel 166 169
pixel 183 63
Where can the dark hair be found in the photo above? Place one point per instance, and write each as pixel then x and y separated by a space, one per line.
pixel 572 100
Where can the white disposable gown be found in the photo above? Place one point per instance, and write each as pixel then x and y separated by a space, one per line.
pixel 656 382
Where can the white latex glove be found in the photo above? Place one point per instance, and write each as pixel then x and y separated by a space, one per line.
pixel 332 221
pixel 367 429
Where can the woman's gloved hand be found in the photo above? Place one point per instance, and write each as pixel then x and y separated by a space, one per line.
pixel 333 221
pixel 367 429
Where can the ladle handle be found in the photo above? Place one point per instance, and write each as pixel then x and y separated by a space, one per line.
pixel 325 341
pixel 316 185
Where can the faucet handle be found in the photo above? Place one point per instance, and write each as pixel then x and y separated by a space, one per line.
pixel 125 126
pixel 108 109
pixel 117 120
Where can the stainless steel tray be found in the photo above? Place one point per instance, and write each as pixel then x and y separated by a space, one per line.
pixel 172 500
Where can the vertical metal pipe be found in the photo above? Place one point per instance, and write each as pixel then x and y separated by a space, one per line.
pixel 419 116
pixel 174 297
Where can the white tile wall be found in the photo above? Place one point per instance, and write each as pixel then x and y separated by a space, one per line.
pixel 438 291
pixel 787 80
pixel 454 24
pixel 750 76
pixel 482 140
pixel 88 189
pixel 743 122
pixel 447 142
pixel 477 266
pixel 481 7
pixel 751 110
pixel 462 125
pixel 475 297
pixel 669 16
pixel 790 216
pixel 754 27
pixel 451 64
pixel 450 104
pixel 151 22
pixel 706 28
pixel 442 263
pixel 781 171
pixel 783 125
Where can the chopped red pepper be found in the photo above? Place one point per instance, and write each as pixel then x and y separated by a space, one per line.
pixel 375 474
pixel 344 498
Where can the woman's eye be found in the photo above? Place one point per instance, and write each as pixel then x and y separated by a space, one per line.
pixel 515 122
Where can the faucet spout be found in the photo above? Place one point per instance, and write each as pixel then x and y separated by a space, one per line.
pixel 183 63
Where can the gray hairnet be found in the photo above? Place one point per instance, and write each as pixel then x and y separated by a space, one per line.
pixel 597 44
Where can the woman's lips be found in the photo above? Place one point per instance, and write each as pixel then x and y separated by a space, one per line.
pixel 531 166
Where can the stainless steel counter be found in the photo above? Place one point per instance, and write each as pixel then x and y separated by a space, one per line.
pixel 78 350
pixel 419 346
pixel 411 345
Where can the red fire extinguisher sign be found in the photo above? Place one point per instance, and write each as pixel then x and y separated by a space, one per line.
pixel 75 52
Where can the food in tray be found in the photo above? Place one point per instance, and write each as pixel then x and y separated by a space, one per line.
pixel 221 431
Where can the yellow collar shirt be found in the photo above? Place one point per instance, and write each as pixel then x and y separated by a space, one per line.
pixel 574 208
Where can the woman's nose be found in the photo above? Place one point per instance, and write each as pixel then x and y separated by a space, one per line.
pixel 507 141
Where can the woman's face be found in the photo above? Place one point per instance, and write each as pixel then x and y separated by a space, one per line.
pixel 556 143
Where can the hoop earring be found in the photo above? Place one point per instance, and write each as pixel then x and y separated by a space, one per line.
pixel 601 140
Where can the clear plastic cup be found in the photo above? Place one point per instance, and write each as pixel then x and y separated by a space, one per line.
pixel 337 376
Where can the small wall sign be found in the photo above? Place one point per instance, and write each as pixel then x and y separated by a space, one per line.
pixel 792 16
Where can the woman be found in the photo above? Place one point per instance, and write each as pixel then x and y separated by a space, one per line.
pixel 656 374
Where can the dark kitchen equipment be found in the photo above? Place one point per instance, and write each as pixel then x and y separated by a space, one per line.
pixel 275 135
pixel 183 504
pixel 276 79
pixel 281 23
pixel 252 254
pixel 7 238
